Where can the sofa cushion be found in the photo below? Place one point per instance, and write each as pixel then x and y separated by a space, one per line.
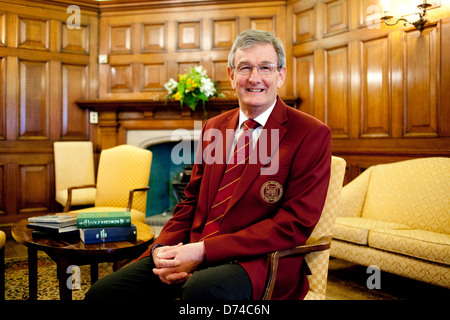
pixel 427 245
pixel 356 230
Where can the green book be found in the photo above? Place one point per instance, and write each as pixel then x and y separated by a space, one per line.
pixel 103 219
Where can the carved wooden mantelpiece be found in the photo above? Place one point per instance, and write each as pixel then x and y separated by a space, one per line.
pixel 116 117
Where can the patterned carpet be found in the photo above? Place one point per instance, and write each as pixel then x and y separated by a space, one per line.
pixel 16 279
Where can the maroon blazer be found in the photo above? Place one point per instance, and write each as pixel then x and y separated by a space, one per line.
pixel 270 210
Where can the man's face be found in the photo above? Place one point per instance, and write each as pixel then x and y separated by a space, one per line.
pixel 256 91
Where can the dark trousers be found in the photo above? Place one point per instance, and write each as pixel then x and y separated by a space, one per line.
pixel 137 281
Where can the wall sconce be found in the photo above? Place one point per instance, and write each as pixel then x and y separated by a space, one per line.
pixel 419 23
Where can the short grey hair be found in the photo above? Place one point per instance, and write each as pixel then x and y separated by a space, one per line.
pixel 249 38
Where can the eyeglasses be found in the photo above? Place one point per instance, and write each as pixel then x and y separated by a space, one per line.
pixel 264 69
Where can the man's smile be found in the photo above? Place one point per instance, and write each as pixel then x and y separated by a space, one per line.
pixel 255 90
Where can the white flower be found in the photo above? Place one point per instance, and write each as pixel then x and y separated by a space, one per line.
pixel 200 70
pixel 207 87
pixel 171 86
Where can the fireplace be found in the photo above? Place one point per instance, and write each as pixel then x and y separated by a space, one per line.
pixel 172 150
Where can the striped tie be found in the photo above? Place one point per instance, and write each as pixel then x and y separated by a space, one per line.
pixel 230 179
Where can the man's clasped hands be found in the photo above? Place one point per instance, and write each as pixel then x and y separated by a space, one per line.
pixel 175 264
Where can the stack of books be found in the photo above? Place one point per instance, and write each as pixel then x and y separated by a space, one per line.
pixel 53 224
pixel 98 227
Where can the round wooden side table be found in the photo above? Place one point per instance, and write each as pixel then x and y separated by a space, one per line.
pixel 67 251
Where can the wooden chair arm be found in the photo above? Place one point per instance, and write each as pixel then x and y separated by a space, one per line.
pixel 69 195
pixel 130 197
pixel 321 244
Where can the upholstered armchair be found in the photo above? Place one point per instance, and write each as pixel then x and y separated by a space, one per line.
pixel 317 247
pixel 74 167
pixel 122 181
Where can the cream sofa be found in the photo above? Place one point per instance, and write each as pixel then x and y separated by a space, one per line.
pixel 397 217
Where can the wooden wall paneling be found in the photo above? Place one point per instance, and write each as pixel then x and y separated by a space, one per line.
pixel 378 68
pixel 445 79
pixel 12 97
pixel 304 82
pixel 121 39
pixel 336 16
pixel 202 37
pixel 94 75
pixel 305 25
pixel 219 74
pixel 34 33
pixel 75 40
pixel 2 98
pixel 121 78
pixel 28 185
pixel 184 66
pixel 11 196
pixel 207 40
pixel 355 89
pixel 34 188
pixel 397 83
pixel 74 79
pixel 376 107
pixel 337 91
pixel 3 31
pixel 224 33
pixel 154 76
pixel 154 37
pixel 189 36
pixel 136 38
pixel 54 101
pixel 49 66
pixel 104 69
pixel 319 85
pixel 368 12
pixel 77 78
pixel 264 23
pixel 108 127
pixel 34 100
pixel 421 82
pixel 2 190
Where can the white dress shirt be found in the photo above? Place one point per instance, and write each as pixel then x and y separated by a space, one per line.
pixel 261 119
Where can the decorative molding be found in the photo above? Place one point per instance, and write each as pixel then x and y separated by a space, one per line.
pixel 117 117
pixel 121 5
pixel 146 105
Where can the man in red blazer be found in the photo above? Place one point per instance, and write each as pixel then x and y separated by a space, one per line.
pixel 275 206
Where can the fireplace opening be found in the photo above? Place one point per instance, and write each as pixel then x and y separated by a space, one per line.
pixel 170 159
pixel 173 150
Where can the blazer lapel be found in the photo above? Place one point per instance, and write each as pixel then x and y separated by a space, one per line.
pixel 252 170
pixel 222 152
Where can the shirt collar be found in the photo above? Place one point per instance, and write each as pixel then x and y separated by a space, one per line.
pixel 261 119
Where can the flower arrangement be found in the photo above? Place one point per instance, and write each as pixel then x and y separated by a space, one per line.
pixel 191 88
